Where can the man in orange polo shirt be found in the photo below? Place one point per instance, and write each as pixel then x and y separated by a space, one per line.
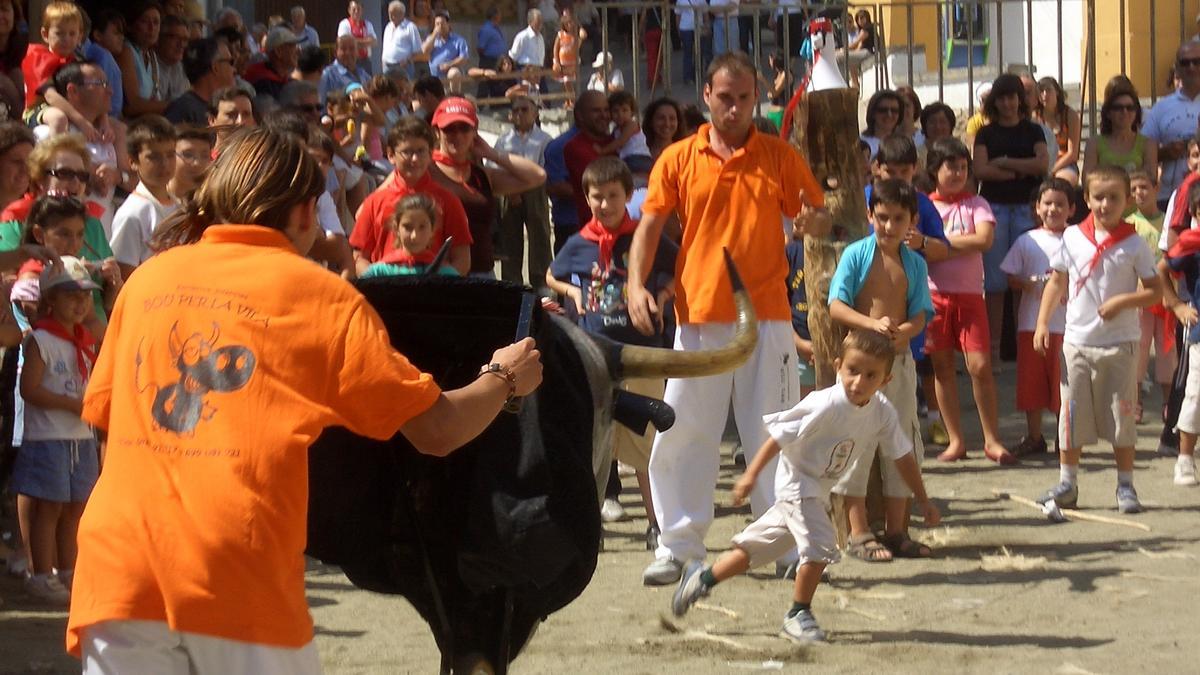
pixel 729 185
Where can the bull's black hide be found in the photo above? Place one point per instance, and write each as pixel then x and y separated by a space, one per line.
pixel 514 509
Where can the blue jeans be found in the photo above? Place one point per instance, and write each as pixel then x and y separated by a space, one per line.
pixel 1012 220
pixel 688 38
pixel 724 29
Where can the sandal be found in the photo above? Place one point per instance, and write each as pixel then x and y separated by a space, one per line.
pixel 867 549
pixel 903 546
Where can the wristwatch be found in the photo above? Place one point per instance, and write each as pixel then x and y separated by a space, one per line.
pixel 502 371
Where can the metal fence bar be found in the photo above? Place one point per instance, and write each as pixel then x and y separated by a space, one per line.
pixel 970 63
pixel 1000 36
pixel 1059 42
pixel 1153 54
pixel 637 14
pixel 1182 13
pixel 1029 37
pixel 664 50
pixel 941 41
pixel 1091 63
pixel 909 26
pixel 1121 8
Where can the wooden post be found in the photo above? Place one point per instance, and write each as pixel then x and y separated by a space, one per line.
pixel 825 129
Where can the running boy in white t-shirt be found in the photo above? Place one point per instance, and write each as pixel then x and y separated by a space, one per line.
pixel 1028 268
pixel 817 441
pixel 1099 265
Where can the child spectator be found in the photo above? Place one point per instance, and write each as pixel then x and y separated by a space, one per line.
pixel 1101 333
pixel 565 62
pixel 830 432
pixel 1158 324
pixel 798 297
pixel 591 271
pixel 59 459
pixel 629 141
pixel 193 154
pixel 381 96
pixel 152 155
pixel 1184 258
pixel 960 320
pixel 62 32
pixel 880 285
pixel 412 224
pixel 1145 197
pixel 1028 268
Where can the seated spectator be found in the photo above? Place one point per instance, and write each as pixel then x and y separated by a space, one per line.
pixel 13 44
pixel 344 70
pixel 106 43
pixel 301 96
pixel 232 109
pixel 613 82
pixel 236 40
pixel 193 155
pixel 140 69
pixel 447 51
pixel 861 47
pixel 307 34
pixel 310 65
pixel 269 76
pixel 428 93
pixel 383 95
pixel 209 67
pixel 172 41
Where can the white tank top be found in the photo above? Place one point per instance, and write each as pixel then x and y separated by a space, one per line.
pixel 61 376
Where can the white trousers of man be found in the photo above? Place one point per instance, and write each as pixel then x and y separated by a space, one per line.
pixel 119 647
pixel 686 458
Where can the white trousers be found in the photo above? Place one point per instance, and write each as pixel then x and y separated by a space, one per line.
pixel 686 458
pixel 121 647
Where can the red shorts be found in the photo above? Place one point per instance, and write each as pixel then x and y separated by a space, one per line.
pixel 959 322
pixel 1039 379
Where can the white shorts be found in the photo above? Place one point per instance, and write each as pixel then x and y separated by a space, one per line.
pixel 1189 412
pixel 901 392
pixel 120 647
pixel 803 525
pixel 1099 395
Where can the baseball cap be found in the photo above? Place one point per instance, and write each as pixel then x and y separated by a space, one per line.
pixel 71 275
pixel 455 109
pixel 600 59
pixel 279 36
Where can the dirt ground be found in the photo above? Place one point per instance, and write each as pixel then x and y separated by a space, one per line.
pixel 1007 592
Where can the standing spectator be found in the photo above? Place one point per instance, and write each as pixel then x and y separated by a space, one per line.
pixel 558 181
pixel 268 77
pixel 1010 161
pixel 241 57
pixel 592 118
pixel 528 47
pixel 459 167
pixel 107 41
pixel 650 26
pixel 662 124
pixel 565 54
pixel 363 32
pixel 152 153
pixel 306 33
pixel 1172 121
pixel 139 62
pixel 232 109
pixel 524 214
pixel 724 25
pixel 172 41
pixel 428 92
pixel 490 43
pixel 1119 143
pixel 732 205
pixel 883 118
pixel 447 50
pixel 209 67
pixel 13 44
pixel 1054 112
pixel 344 70
pixel 310 65
pixel 401 40
pixel 910 115
pixel 691 16
pixel 937 121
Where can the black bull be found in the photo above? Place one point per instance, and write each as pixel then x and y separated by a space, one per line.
pixel 488 541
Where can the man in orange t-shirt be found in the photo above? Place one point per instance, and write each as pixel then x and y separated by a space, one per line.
pixel 223 361
pixel 729 185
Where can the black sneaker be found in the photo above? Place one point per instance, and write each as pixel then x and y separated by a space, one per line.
pixel 1066 495
pixel 1029 446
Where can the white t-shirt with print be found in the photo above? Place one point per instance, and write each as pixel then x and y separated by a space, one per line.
pixel 1030 257
pixel 134 223
pixel 824 434
pixel 1119 271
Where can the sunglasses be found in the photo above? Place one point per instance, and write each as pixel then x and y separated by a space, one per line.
pixel 1123 107
pixel 887 111
pixel 1186 63
pixel 70 174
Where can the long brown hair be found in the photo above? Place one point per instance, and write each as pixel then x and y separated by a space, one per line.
pixel 258 178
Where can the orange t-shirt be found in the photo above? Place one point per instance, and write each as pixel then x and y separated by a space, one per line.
pixel 222 363
pixel 734 204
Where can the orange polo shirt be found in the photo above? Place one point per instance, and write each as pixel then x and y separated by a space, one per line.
pixel 734 204
pixel 222 363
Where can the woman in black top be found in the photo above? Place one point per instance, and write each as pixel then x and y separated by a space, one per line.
pixel 861 47
pixel 1010 161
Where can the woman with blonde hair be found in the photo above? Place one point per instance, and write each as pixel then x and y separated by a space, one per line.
pixel 227 355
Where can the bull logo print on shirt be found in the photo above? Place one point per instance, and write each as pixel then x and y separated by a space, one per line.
pixel 203 369
pixel 839 458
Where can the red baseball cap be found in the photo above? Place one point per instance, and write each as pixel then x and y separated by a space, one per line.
pixel 455 109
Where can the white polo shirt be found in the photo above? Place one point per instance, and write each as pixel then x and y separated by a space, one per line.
pixel 528 48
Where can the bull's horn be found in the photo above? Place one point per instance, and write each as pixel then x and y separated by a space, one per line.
pixel 638 361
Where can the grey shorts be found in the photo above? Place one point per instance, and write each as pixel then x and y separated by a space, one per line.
pixel 1099 394
pixel 57 471
pixel 802 525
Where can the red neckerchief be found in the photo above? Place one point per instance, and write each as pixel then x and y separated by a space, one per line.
pixel 442 158
pixel 359 30
pixel 19 209
pixel 1187 244
pixel 606 238
pixel 1115 236
pixel 85 344
pixel 1182 216
pixel 937 196
pixel 399 256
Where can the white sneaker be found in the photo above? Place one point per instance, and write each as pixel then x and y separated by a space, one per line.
pixel 48 588
pixel 662 572
pixel 1185 470
pixel 612 511
pixel 18 565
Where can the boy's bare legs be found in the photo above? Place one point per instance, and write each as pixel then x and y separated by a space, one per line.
pixel 39 524
pixel 68 531
pixel 1033 424
pixel 808 577
pixel 733 562
pixel 1187 444
pixel 945 382
pixel 983 386
pixel 1124 458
